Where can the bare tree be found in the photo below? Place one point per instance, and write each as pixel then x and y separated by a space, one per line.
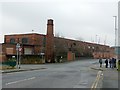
pixel 59 35
pixel 61 48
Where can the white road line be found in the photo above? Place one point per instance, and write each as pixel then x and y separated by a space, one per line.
pixel 95 83
pixel 20 81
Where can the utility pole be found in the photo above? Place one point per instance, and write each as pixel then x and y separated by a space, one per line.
pixel 115 22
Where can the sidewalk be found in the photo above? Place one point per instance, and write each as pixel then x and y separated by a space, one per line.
pixel 111 77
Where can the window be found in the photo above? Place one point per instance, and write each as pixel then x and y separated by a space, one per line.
pixel 9 51
pixel 89 47
pixel 5 40
pixel 12 40
pixel 24 40
pixel 74 44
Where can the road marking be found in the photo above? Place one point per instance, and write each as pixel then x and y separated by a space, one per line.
pixel 95 83
pixel 20 81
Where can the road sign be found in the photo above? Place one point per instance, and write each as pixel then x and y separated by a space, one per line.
pixel 17 46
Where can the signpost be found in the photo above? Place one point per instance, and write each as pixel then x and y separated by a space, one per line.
pixel 42 54
pixel 18 60
pixel 20 49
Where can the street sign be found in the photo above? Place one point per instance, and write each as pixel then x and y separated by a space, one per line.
pixel 17 46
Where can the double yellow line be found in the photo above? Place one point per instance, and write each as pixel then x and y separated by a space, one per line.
pixel 95 83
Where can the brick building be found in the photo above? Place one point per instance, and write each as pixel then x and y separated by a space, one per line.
pixel 33 44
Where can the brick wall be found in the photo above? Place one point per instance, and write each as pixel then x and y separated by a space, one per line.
pixel 78 47
pixel 33 38
pixel 83 48
pixel 49 53
pixel 2 53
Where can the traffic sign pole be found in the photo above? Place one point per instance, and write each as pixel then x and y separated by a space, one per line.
pixel 17 49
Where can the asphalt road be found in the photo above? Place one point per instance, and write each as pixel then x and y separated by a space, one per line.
pixel 75 74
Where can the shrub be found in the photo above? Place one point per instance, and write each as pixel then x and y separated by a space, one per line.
pixel 11 62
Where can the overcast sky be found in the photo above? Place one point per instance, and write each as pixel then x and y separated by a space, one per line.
pixel 91 20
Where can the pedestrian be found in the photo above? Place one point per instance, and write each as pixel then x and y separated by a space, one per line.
pixel 100 61
pixel 114 63
pixel 110 62
pixel 106 63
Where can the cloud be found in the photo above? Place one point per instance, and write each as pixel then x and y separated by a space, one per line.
pixel 72 18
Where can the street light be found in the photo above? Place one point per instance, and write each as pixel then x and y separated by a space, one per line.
pixel 115 28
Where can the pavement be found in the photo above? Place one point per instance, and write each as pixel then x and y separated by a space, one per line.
pixel 108 77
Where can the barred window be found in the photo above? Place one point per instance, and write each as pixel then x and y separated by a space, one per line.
pixel 74 44
pixel 12 40
pixel 24 40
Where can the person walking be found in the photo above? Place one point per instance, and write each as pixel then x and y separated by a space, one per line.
pixel 110 62
pixel 100 61
pixel 106 63
pixel 114 63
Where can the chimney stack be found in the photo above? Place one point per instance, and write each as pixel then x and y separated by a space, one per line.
pixel 49 52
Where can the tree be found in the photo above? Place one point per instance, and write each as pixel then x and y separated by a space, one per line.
pixel 61 48
pixel 59 35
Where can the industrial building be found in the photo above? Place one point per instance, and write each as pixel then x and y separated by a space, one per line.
pixel 34 47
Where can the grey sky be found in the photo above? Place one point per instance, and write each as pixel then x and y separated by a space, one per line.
pixel 119 24
pixel 72 18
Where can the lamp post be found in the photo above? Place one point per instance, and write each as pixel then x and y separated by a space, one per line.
pixel 115 28
pixel 115 20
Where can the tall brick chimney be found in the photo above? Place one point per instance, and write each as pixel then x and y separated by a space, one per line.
pixel 49 50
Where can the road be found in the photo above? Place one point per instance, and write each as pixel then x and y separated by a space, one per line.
pixel 76 74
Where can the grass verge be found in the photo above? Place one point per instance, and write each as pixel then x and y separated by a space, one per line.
pixel 2 67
